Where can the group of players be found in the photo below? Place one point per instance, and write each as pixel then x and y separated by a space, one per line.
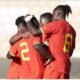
pixel 42 50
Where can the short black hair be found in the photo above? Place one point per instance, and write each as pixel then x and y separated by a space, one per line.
pixel 35 22
pixel 65 8
pixel 20 20
pixel 47 15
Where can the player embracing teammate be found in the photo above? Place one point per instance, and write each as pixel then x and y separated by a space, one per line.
pixel 29 56
pixel 60 37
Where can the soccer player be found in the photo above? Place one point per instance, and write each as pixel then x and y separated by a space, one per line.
pixel 32 65
pixel 45 18
pixel 61 37
pixel 14 70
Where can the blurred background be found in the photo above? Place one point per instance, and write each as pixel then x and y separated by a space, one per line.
pixel 11 9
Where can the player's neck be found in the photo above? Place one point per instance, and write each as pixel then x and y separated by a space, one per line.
pixel 61 18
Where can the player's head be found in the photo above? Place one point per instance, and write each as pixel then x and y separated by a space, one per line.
pixel 21 24
pixel 45 18
pixel 61 11
pixel 32 23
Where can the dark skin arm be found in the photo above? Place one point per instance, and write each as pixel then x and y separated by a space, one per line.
pixel 9 56
pixel 44 53
pixel 73 45
pixel 71 52
pixel 15 58
pixel 14 39
pixel 17 37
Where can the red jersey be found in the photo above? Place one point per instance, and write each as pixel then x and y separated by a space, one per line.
pixel 61 37
pixel 13 72
pixel 32 65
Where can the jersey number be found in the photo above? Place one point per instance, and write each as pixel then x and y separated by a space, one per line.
pixel 24 51
pixel 67 44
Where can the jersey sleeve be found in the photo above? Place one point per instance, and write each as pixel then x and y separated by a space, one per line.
pixel 49 28
pixel 37 40
pixel 13 50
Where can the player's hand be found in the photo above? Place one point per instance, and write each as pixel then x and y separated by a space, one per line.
pixel 26 35
pixel 48 62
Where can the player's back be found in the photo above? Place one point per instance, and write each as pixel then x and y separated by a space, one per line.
pixel 32 64
pixel 63 39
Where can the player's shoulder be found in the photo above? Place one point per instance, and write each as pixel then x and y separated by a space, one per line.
pixel 58 23
pixel 53 22
pixel 62 22
pixel 71 28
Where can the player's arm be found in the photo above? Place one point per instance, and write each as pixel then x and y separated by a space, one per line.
pixel 37 43
pixel 10 56
pixel 73 45
pixel 15 38
pixel 43 52
pixel 71 52
pixel 12 52
pixel 13 57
